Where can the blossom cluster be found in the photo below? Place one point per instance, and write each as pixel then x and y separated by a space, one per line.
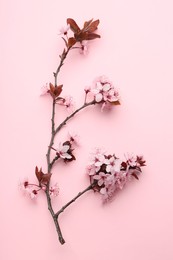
pixel 32 190
pixel 104 92
pixel 110 174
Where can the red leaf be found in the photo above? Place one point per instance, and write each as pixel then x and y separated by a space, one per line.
pixel 71 41
pixel 46 178
pixel 58 90
pixel 92 36
pixel 92 26
pixel 86 24
pixel 51 86
pixel 114 103
pixel 73 25
pixel 135 175
pixel 38 173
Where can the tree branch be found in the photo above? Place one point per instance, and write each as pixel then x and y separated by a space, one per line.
pixel 90 187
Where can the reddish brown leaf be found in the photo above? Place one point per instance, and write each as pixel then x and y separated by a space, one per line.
pixel 92 36
pixel 51 86
pixel 73 25
pixel 38 173
pixel 58 90
pixel 135 175
pixel 92 26
pixel 114 103
pixel 87 23
pixel 81 36
pixel 71 41
pixel 46 178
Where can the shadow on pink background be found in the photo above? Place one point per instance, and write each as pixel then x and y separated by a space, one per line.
pixel 136 53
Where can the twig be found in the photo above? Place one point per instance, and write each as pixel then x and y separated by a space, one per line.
pixel 90 187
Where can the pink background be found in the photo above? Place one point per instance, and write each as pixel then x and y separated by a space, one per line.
pixel 136 53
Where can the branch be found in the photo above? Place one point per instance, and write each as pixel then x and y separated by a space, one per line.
pixel 49 165
pixel 90 187
pixel 63 57
pixel 58 229
pixel 74 113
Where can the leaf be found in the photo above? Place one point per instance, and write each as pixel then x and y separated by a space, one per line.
pixel 92 36
pixel 87 23
pixel 52 88
pixel 71 42
pixel 135 175
pixel 38 173
pixel 58 90
pixel 92 26
pixel 46 178
pixel 114 103
pixel 73 25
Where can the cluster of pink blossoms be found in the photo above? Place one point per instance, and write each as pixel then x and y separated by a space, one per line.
pixel 104 92
pixel 32 190
pixel 110 173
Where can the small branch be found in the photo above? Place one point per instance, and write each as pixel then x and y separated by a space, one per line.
pixel 63 57
pixel 74 113
pixel 53 161
pixel 49 166
pixel 90 187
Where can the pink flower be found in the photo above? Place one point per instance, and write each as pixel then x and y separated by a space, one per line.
pixel 45 90
pixel 110 174
pixel 69 103
pixel 54 190
pixel 32 193
pixel 100 178
pixel 64 30
pixel 28 189
pixel 104 92
pixel 108 193
pixel 84 47
pixel 87 89
pixel 113 165
pixel 24 185
pixel 62 151
pixel 74 138
pixel 131 160
pixel 121 179
pixel 91 170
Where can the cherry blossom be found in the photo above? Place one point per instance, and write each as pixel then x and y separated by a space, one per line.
pixel 45 90
pixel 113 164
pixel 62 151
pixel 69 103
pixel 74 138
pixel 104 91
pixel 64 29
pixel 54 190
pixel 110 174
pixel 28 189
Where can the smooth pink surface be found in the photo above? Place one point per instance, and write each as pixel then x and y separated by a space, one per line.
pixel 136 52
